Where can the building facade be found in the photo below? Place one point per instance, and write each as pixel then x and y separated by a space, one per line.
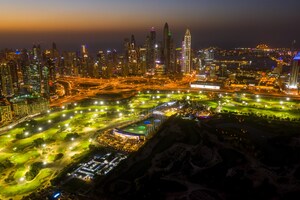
pixel 295 72
pixel 187 51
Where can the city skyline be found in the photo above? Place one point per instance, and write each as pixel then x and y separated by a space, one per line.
pixel 101 25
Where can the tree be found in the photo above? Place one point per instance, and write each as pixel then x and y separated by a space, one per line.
pixel 38 142
pixel 58 156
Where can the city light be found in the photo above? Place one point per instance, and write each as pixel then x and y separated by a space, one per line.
pixel 167 94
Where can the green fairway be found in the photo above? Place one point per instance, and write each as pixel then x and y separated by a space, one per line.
pixel 72 129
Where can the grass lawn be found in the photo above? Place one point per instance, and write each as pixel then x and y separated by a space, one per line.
pixel 25 187
pixel 89 117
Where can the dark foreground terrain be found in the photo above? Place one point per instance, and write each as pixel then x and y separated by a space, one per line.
pixel 227 157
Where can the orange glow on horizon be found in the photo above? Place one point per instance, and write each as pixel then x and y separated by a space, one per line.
pixel 40 22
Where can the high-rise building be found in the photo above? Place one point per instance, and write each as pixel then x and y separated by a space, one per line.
pixel 186 48
pixel 33 81
pixel 178 57
pixel 14 72
pixel 36 52
pixel 6 84
pixel 111 58
pixel 132 57
pixel 150 47
pixel 69 63
pixel 84 51
pixel 295 72
pixel 55 60
pixel 166 48
pixel 142 61
pixel 126 45
pixel 86 65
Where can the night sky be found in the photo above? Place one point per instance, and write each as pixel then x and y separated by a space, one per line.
pixel 104 24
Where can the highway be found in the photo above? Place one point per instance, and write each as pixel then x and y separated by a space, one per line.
pixel 77 88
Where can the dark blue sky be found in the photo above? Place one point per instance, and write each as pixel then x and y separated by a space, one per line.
pixel 105 23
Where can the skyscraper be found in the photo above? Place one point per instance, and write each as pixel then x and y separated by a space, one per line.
pixel 150 46
pixel 132 57
pixel 34 73
pixel 6 85
pixel 166 47
pixel 295 71
pixel 186 52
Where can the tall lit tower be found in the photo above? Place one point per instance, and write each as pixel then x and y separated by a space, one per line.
pixel 152 42
pixel 186 50
pixel 295 72
pixel 166 47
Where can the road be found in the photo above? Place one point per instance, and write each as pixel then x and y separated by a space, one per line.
pixel 77 88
